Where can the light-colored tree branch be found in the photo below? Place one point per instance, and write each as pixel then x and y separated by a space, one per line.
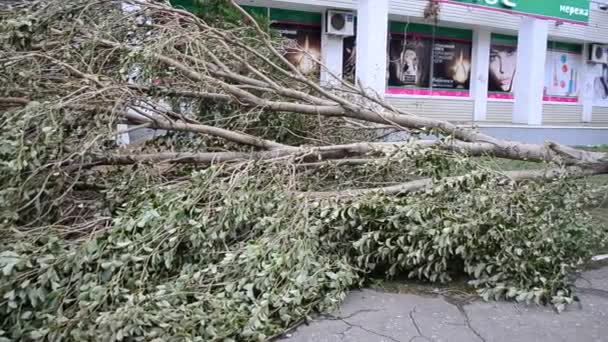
pixel 427 183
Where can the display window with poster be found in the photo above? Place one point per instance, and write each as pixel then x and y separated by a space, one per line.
pixel 428 60
pixel 301 46
pixel 599 79
pixel 563 67
pixel 301 33
pixel 349 61
pixel 563 72
pixel 502 67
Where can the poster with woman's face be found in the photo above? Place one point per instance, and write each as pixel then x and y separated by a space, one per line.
pixel 503 67
pixel 599 74
pixel 409 61
pixel 302 46
pixel 451 64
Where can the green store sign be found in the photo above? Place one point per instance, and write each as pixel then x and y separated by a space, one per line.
pixel 575 11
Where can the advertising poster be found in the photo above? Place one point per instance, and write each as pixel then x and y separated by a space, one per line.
pixel 562 74
pixel 349 59
pixel 302 46
pixel 409 63
pixel 599 75
pixel 451 64
pixel 428 60
pixel 503 68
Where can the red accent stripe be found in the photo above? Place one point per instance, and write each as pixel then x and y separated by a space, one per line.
pixel 560 99
pixel 509 96
pixel 427 92
pixel 502 96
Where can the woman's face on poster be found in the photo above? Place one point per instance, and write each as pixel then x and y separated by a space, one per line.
pixel 503 64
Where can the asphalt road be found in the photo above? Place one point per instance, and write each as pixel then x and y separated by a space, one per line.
pixel 373 316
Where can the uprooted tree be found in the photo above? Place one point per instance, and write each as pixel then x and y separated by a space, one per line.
pixel 267 197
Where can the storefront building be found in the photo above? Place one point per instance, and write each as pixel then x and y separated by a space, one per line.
pixel 521 69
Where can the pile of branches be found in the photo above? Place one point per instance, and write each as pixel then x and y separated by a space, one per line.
pixel 265 198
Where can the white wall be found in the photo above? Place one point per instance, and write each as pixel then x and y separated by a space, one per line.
pixel 596 31
pixel 482 40
pixel 332 58
pixel 530 78
pixel 561 113
pixel 372 41
pixel 479 20
pixel 600 115
pixel 444 109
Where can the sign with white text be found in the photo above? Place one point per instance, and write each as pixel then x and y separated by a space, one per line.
pixel 574 11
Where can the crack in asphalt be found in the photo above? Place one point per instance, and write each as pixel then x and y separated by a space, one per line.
pixel 351 325
pixel 581 277
pixel 459 304
pixel 415 323
pixel 343 333
pixel 594 292
pixel 339 318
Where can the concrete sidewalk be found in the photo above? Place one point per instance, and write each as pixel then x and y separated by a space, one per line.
pixel 372 316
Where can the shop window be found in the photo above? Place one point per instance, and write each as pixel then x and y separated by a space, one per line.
pixel 410 60
pixel 563 72
pixel 428 60
pixel 503 66
pixel 451 64
pixel 301 46
pixel 349 61
pixel 599 75
pixel 301 33
pixel 562 69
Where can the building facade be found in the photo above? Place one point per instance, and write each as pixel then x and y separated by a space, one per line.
pixel 519 69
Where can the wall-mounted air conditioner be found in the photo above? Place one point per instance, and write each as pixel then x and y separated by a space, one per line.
pixel 598 53
pixel 340 23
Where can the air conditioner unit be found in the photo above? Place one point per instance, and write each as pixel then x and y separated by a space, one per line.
pixel 340 23
pixel 598 53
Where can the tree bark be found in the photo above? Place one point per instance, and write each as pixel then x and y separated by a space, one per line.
pixel 230 68
pixel 427 183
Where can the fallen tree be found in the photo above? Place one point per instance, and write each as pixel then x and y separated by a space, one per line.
pixel 267 197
